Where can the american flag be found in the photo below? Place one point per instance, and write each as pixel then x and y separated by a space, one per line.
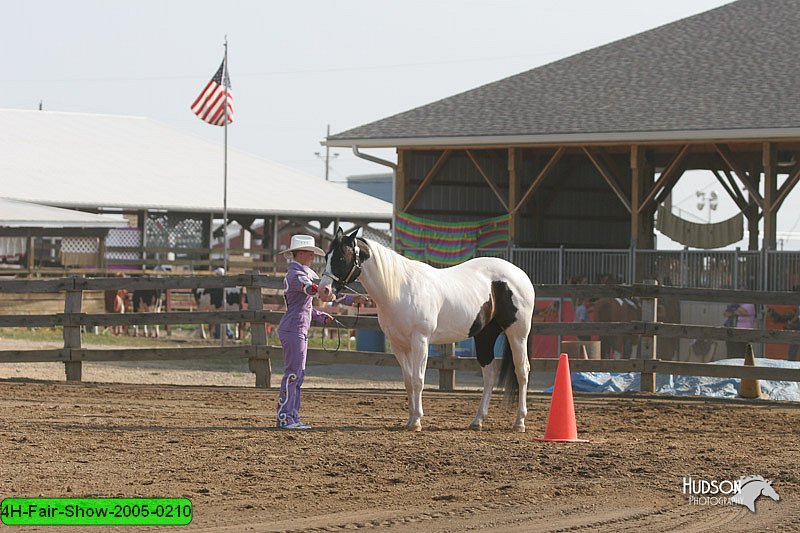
pixel 210 105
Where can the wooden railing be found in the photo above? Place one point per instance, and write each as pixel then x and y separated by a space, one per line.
pixel 260 354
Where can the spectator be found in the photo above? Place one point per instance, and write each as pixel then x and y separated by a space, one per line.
pixel 740 316
pixel 582 315
pixel 793 325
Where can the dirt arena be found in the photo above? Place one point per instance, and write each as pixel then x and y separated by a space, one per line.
pixel 357 470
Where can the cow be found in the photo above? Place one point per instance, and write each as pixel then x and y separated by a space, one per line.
pixel 147 301
pixel 221 299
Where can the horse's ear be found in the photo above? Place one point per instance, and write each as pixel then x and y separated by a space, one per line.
pixel 352 233
pixel 338 234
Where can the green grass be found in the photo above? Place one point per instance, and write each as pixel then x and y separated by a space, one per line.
pixel 56 334
pixel 183 333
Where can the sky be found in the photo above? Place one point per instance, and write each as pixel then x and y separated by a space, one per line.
pixel 297 67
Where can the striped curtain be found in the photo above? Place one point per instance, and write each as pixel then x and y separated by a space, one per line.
pixel 448 243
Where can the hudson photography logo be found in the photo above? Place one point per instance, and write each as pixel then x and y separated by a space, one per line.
pixel 743 491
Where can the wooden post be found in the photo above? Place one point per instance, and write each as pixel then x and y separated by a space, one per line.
pixel 275 250
pixel 262 368
pixel 513 186
pixel 101 260
pixel 447 377
pixel 400 181
pixel 72 333
pixel 31 250
pixel 648 342
pixel 769 160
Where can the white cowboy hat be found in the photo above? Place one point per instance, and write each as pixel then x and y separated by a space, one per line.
pixel 303 242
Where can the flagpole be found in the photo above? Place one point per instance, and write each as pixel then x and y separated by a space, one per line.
pixel 225 79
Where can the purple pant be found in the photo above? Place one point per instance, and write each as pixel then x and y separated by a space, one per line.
pixel 295 346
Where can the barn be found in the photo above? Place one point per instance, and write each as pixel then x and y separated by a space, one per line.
pixel 583 152
pixel 169 186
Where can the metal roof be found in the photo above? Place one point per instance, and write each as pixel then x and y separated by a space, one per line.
pixel 16 214
pixel 104 161
pixel 728 73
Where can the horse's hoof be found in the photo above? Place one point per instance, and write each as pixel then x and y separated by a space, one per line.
pixel 476 426
pixel 414 427
pixel 519 428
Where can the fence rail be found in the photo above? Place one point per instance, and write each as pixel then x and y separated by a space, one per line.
pixel 774 270
pixel 260 354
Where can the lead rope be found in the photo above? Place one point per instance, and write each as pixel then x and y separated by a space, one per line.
pixel 339 327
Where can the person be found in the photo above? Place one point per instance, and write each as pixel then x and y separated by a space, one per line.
pixel 582 315
pixel 220 295
pixel 739 316
pixel 793 325
pixel 300 286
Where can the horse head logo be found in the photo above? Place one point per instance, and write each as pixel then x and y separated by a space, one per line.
pixel 751 488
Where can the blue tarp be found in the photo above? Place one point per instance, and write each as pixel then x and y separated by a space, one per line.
pixel 689 385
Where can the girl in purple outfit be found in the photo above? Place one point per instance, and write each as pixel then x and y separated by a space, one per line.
pixel 300 287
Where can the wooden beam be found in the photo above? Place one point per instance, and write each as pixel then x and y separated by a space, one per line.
pixel 611 180
pixel 727 156
pixel 787 187
pixel 769 155
pixel 666 180
pixel 487 180
pixel 732 190
pixel 513 185
pixel 637 187
pixel 400 180
pixel 539 179
pixel 437 166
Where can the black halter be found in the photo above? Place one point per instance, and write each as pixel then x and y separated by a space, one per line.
pixel 355 271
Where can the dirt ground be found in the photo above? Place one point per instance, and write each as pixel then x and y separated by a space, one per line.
pixel 201 430
pixel 357 470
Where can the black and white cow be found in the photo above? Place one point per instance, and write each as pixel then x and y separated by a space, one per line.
pixel 147 301
pixel 221 299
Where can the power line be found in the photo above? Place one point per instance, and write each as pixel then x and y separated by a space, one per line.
pixel 277 72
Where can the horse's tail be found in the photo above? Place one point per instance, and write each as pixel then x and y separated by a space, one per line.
pixel 507 379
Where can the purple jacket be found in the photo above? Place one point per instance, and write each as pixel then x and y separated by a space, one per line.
pixel 298 293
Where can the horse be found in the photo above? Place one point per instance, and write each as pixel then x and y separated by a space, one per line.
pixel 418 304
pixel 751 488
pixel 116 301
pixel 616 310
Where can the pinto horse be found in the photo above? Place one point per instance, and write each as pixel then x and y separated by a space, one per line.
pixel 418 304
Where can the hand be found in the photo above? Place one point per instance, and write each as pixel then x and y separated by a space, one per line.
pixel 361 300
pixel 328 318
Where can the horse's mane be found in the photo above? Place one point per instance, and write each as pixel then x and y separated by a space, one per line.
pixel 393 267
pixel 745 480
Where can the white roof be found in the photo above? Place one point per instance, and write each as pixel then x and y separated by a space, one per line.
pixel 90 161
pixel 16 214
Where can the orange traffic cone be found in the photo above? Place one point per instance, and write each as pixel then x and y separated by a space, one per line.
pixel 561 425
pixel 750 388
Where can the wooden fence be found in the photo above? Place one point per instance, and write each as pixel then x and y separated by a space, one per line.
pixel 260 354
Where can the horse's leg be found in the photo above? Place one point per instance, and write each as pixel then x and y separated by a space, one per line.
pixel 402 360
pixel 418 362
pixel 484 348
pixel 517 337
pixel 489 376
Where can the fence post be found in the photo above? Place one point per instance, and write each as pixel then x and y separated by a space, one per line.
pixel 648 340
pixel 262 368
pixel 447 377
pixel 72 332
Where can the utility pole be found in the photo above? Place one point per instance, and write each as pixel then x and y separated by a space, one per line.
pixel 327 156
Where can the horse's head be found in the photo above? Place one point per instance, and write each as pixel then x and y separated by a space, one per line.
pixel 342 264
pixel 770 492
